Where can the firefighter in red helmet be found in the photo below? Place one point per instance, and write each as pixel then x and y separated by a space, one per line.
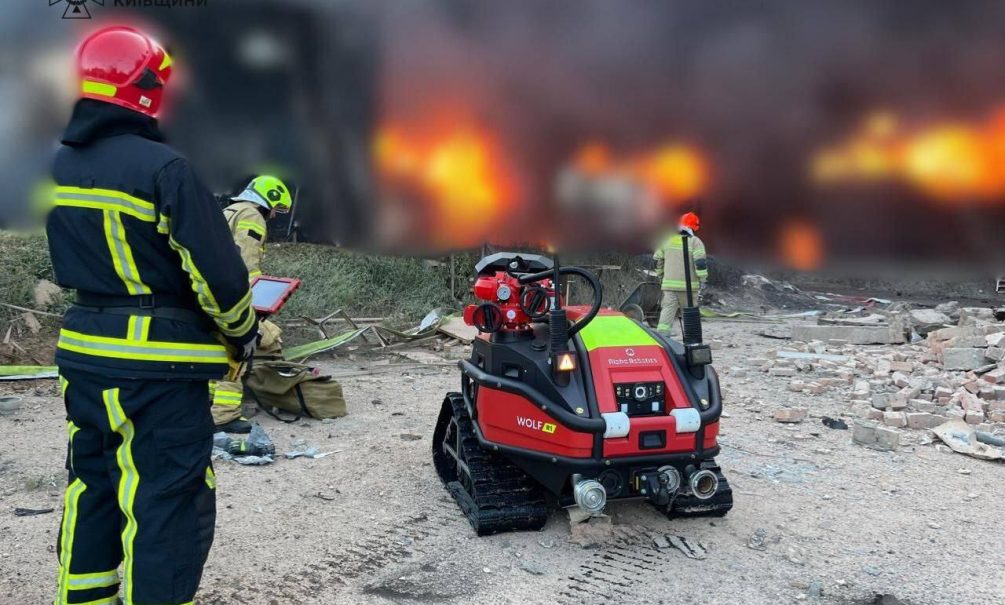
pixel 162 301
pixel 670 269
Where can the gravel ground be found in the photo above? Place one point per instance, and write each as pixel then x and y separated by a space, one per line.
pixel 371 523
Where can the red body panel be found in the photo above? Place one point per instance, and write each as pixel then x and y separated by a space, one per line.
pixel 612 365
pixel 711 434
pixel 512 420
pixel 509 419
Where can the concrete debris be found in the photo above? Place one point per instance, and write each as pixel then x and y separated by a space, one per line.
pixel 962 358
pixel 928 320
pixel 956 374
pixel 872 434
pixel 592 532
pixel 534 569
pixel 811 356
pixel 895 419
pixel 857 335
pixel 975 316
pixel 9 404
pixel 790 415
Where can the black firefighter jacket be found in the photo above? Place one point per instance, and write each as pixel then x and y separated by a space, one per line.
pixel 130 218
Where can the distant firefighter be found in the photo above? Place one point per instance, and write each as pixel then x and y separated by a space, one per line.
pixel 670 268
pixel 263 198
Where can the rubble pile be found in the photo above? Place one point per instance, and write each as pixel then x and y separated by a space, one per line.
pixel 949 367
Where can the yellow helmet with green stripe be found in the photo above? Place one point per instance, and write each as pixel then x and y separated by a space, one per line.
pixel 268 192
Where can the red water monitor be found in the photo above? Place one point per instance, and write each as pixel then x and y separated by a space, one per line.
pixel 508 304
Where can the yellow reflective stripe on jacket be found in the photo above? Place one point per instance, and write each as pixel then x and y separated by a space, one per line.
pixel 87 581
pixel 201 287
pixel 129 480
pixel 122 254
pixel 122 348
pixel 138 327
pixel 105 199
pixel 71 502
pixel 224 319
pixel 206 299
pixel 210 478
pixel 250 226
pixel 253 274
pixel 676 242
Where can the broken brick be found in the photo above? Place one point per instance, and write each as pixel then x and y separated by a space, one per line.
pixel 897 419
pixel 790 415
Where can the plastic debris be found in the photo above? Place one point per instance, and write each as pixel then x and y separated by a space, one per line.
pixel 834 423
pixel 962 438
pixel 27 372
pixel 256 450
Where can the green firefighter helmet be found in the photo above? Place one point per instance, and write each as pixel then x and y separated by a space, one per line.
pixel 268 192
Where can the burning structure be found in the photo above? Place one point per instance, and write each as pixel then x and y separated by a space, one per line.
pixel 749 105
pixel 435 125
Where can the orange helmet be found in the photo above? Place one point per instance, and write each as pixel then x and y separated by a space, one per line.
pixel 125 67
pixel 690 220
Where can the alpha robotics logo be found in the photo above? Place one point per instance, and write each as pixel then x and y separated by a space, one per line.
pixel 76 9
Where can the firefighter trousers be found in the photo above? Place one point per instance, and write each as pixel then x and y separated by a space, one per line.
pixel 140 503
pixel 670 310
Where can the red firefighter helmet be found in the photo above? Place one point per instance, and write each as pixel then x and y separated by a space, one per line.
pixel 690 220
pixel 123 66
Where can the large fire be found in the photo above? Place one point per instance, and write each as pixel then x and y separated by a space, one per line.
pixel 454 186
pixel 459 176
pixel 674 172
pixel 951 162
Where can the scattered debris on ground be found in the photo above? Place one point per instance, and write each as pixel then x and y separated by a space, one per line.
pixel 954 376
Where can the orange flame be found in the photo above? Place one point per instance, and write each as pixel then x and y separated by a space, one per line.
pixel 460 174
pixel 674 172
pixel 801 245
pixel 593 159
pixel 950 162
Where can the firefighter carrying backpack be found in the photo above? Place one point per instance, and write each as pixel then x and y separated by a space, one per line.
pixel 296 389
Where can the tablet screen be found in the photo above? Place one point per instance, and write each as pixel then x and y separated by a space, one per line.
pixel 268 294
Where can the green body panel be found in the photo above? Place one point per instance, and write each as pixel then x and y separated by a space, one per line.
pixel 614 331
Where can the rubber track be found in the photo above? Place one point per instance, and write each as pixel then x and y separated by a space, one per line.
pixel 502 497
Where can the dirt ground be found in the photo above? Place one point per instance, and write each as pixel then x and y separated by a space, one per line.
pixel 371 523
